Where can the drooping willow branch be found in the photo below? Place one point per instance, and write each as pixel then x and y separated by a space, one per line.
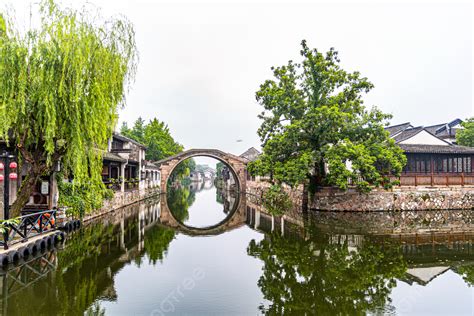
pixel 61 85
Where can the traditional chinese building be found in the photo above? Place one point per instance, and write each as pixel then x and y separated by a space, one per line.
pixel 433 158
pixel 125 167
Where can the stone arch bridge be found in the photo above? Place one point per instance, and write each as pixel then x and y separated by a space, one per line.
pixel 236 164
pixel 235 219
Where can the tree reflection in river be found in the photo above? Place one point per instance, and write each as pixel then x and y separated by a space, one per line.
pixel 314 275
pixel 128 262
pixel 88 264
pixel 180 200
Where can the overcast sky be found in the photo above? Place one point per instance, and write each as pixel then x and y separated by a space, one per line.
pixel 201 62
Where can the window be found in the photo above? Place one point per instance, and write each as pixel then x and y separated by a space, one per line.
pixel 439 164
pixel 412 164
pixel 116 144
pixel 422 165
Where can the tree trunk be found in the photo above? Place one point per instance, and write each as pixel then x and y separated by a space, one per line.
pixel 24 192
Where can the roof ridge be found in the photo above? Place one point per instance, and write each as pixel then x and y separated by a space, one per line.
pixel 390 126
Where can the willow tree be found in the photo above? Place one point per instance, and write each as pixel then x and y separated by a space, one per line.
pixel 61 84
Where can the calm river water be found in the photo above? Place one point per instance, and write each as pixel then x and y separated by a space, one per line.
pixel 131 263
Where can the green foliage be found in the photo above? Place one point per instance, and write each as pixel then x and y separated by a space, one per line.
pixel 3 26
pixel 87 266
pixel 467 273
pixel 315 123
pixel 155 136
pixel 6 223
pixel 61 85
pixel 137 133
pixel 219 167
pixel 80 199
pixel 157 241
pixel 313 275
pixel 179 201
pixel 276 201
pixel 160 144
pixel 465 136
pixel 95 310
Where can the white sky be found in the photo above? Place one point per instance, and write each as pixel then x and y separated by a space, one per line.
pixel 201 62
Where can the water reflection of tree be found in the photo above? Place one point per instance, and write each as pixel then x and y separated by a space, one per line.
pixel 157 241
pixel 314 276
pixel 467 273
pixel 87 267
pixel 179 201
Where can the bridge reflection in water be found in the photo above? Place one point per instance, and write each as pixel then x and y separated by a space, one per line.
pixel 361 252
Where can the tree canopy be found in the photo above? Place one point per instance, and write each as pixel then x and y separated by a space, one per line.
pixel 156 136
pixel 315 127
pixel 465 136
pixel 61 84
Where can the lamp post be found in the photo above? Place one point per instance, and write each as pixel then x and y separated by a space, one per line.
pixel 7 157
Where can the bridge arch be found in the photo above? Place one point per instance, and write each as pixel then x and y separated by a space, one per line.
pixel 235 219
pixel 236 165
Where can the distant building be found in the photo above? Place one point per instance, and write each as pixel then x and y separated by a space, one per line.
pixel 446 131
pixel 195 176
pixel 125 167
pixel 431 151
pixel 251 154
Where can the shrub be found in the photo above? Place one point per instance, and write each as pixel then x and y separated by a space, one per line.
pixel 276 201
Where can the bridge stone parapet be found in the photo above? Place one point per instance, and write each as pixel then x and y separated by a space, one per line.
pixel 236 164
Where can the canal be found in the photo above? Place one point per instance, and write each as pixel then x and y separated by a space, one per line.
pixel 131 263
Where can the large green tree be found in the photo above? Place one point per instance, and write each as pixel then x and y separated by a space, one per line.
pixel 465 136
pixel 61 84
pixel 317 130
pixel 156 136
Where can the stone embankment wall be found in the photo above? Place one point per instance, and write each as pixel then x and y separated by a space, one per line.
pixel 395 222
pixel 122 199
pixel 256 189
pixel 399 199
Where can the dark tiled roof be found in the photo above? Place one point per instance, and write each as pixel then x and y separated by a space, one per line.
pixel 442 130
pixel 432 129
pixel 250 154
pixel 112 157
pixel 436 149
pixel 407 133
pixel 126 139
pixel 151 166
pixel 397 128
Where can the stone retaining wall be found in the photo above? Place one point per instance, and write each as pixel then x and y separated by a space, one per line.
pixel 395 222
pixel 400 199
pixel 122 199
pixel 256 189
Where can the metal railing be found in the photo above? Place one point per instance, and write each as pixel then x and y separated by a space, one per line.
pixel 28 226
